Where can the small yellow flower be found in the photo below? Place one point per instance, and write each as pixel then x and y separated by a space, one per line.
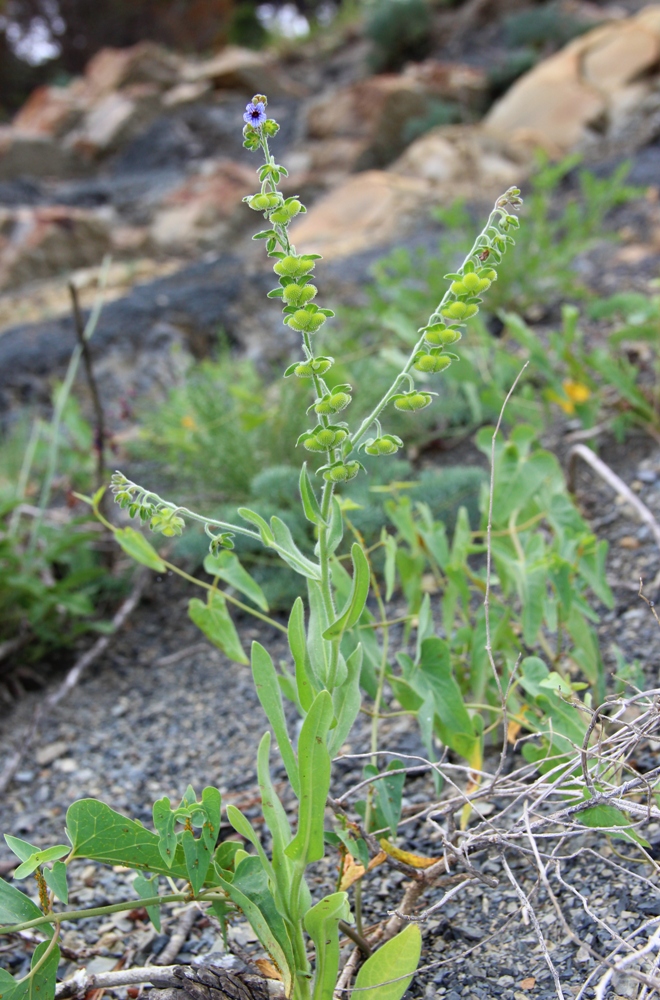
pixel 188 422
pixel 575 392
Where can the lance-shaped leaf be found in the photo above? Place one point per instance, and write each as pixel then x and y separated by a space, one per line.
pixel 215 622
pixel 322 925
pixel 137 547
pixel 146 888
pixel 228 567
pixel 249 891
pixel 298 646
pixel 165 822
pixel 198 859
pixel 40 858
pixel 243 826
pixel 310 504
pixel 314 772
pixel 346 701
pixel 211 806
pixel 357 597
pixel 398 958
pixel 289 551
pixel 258 521
pixel 268 692
pixel 56 880
pixel 280 831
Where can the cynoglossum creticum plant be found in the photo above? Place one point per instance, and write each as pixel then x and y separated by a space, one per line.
pixel 327 654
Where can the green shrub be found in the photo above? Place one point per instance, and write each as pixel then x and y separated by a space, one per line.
pixel 399 30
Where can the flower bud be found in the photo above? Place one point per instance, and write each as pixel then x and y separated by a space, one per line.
pixel 293 267
pixel 298 295
pixel 412 400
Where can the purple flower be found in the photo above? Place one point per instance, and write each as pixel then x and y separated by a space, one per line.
pixel 255 114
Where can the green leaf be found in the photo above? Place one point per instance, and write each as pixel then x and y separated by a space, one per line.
pixel 387 796
pixel 211 806
pixel 56 880
pixel 42 984
pixel 346 701
pixel 604 817
pixel 16 907
pixel 249 891
pixel 398 957
pixel 99 833
pixel 243 826
pixel 20 848
pixel 314 771
pixel 389 542
pixel 256 519
pixel 137 547
pixel 289 552
pixel 227 566
pixel 310 503
pixel 268 692
pixel 336 532
pixel 278 825
pixel 298 647
pixel 40 858
pixel 322 925
pixel 165 822
pixel 358 596
pixel 146 888
pixel 216 624
pixel 198 859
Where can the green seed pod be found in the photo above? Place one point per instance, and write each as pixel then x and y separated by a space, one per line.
pixel 318 366
pixel 311 442
pixel 460 287
pixel 341 473
pixel 298 295
pixel 264 202
pixel 412 400
pixel 332 402
pixel 442 338
pixel 460 311
pixel 388 444
pixel 306 321
pixel 293 267
pixel 431 362
pixel 488 273
pixel 471 282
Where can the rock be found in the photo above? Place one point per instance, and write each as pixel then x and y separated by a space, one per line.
pixel 364 211
pixel 51 751
pixel 114 119
pixel 201 209
pixel 186 93
pixel 241 69
pixel 27 155
pixel 584 96
pixel 50 111
pixel 461 161
pixel 145 62
pixel 39 242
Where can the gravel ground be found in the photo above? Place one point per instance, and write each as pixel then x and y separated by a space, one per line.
pixel 163 709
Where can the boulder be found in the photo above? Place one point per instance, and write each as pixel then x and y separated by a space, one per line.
pixel 146 62
pixel 31 155
pixel 113 120
pixel 249 72
pixel 378 111
pixel 583 96
pixel 365 211
pixel 462 161
pixel 50 111
pixel 43 241
pixel 203 207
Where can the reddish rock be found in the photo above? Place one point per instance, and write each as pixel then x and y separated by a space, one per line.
pixel 249 72
pixel 145 62
pixel 50 111
pixel 203 207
